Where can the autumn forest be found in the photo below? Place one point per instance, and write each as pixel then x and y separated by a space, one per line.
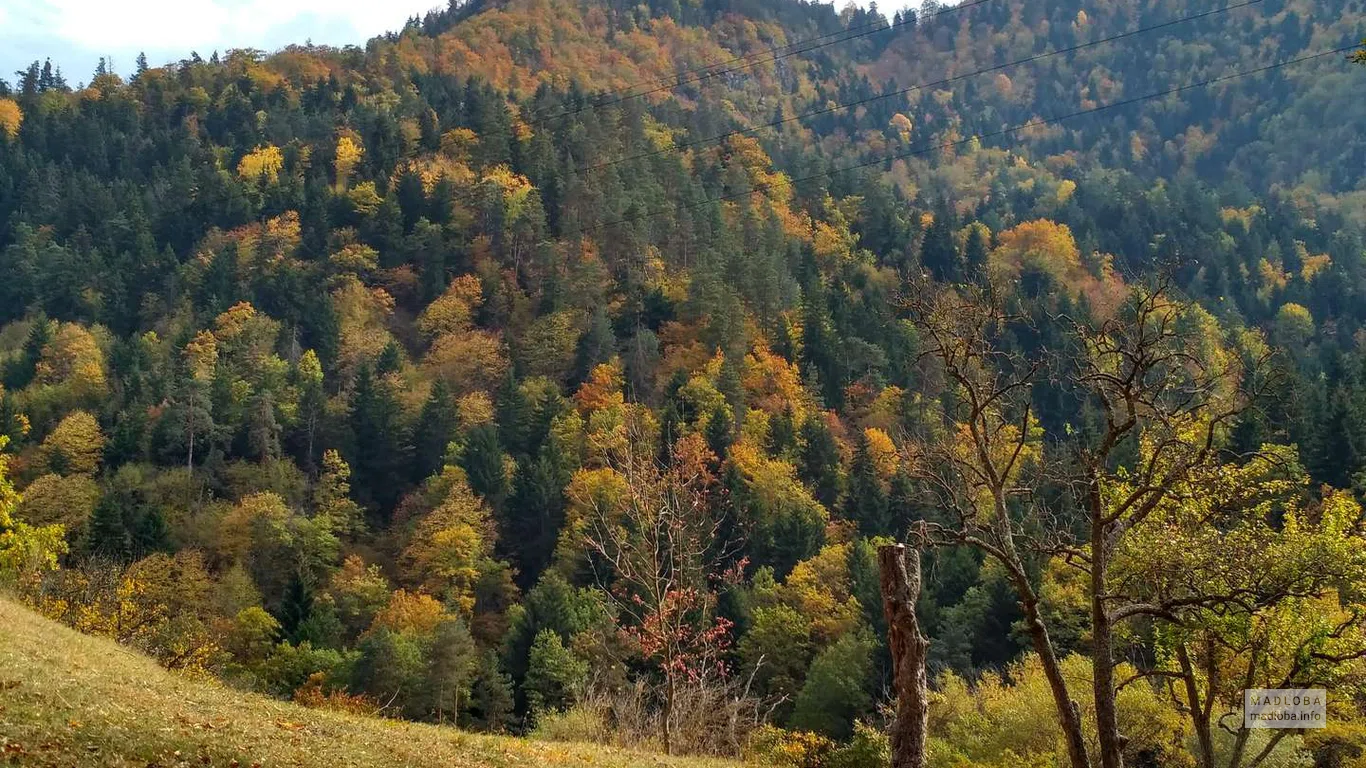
pixel 562 368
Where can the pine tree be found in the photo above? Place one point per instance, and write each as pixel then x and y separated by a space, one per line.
pixel 782 434
pixel 515 416
pixel 597 345
pixel 452 660
pixel 107 534
pixel 378 452
pixel 534 514
pixel 21 369
pixel 554 674
pixel 720 432
pixel 483 464
pixel 151 533
pixel 491 701
pixel 818 461
pixel 435 429
pixel 975 253
pixel 295 607
pixel 938 254
pixel 866 502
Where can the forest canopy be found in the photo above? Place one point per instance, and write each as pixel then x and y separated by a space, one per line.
pixel 379 379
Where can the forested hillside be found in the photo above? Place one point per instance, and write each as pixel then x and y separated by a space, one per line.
pixel 531 370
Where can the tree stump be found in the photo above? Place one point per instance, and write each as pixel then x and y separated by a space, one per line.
pixel 899 570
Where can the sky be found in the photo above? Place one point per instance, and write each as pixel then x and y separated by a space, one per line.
pixel 76 33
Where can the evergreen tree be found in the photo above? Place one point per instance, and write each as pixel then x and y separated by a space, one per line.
pixel 866 502
pixel 782 434
pixel 296 607
pixel 597 345
pixel 975 253
pixel 107 534
pixel 491 702
pixel 554 675
pixel 452 659
pixel 435 429
pixel 483 463
pixel 720 432
pixel 818 461
pixel 534 514
pixel 378 451
pixel 21 369
pixel 938 253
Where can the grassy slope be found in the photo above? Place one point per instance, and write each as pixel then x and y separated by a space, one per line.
pixel 67 699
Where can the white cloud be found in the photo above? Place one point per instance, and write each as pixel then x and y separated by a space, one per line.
pixel 71 31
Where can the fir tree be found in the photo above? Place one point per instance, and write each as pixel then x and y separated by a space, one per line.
pixel 483 463
pixel 866 502
pixel 818 461
pixel 452 660
pixel 435 429
pixel 938 253
pixel 378 447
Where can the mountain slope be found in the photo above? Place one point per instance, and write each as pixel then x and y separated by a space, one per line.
pixel 1253 131
pixel 67 699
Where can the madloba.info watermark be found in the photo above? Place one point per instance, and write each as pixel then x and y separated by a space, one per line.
pixel 1285 708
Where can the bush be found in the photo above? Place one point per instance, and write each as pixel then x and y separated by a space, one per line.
pixel 868 747
pixel 289 667
pixel 314 694
pixel 778 748
pixel 582 722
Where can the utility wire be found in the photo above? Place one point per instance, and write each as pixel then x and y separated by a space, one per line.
pixel 951 144
pixel 803 46
pixel 915 88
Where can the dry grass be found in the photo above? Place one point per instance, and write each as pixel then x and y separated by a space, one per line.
pixel 67 699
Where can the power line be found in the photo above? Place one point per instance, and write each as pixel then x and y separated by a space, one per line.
pixel 915 88
pixel 952 144
pixel 816 43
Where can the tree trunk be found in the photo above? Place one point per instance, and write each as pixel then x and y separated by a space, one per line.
pixel 669 693
pixel 900 582
pixel 1069 715
pixel 1199 716
pixel 1103 655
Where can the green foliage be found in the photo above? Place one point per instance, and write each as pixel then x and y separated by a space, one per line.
pixel 388 664
pixel 337 322
pixel 835 693
pixel 554 674
pixel 778 649
pixel 452 659
pixel 25 551
pixel 553 605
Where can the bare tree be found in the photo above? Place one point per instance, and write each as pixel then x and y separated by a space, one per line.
pixel 1167 389
pixel 1161 375
pixel 656 559
pixel 972 473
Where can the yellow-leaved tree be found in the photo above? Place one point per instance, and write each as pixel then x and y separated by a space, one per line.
pixel 25 550
pixel 349 154
pixel 75 446
pixel 261 163
pixel 11 117
pixel 452 546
